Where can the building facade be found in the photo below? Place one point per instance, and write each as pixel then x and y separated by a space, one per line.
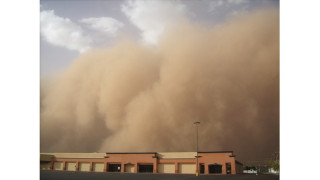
pixel 218 162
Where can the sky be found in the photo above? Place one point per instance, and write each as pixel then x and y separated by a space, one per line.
pixel 71 27
pixel 131 75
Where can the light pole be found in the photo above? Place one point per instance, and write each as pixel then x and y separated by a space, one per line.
pixel 197 168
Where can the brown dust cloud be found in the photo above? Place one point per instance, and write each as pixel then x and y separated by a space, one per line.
pixel 136 98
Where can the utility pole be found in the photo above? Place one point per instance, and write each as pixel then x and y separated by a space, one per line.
pixel 197 168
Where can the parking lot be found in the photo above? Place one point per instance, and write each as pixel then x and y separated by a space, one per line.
pixel 69 175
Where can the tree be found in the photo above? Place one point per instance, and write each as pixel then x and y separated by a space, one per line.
pixel 275 165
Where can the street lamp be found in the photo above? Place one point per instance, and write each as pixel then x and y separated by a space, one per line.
pixel 197 171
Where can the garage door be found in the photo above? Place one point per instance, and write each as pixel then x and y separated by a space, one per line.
pixel 70 166
pixel 58 166
pixel 187 168
pixel 84 166
pixel 129 168
pixel 166 168
pixel 98 167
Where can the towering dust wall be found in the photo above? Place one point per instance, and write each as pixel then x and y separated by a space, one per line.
pixel 136 98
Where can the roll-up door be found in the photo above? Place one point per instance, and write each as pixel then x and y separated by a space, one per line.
pixel 84 166
pixel 58 166
pixel 70 166
pixel 98 167
pixel 166 168
pixel 129 168
pixel 187 168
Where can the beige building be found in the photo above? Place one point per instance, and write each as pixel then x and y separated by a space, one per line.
pixel 217 162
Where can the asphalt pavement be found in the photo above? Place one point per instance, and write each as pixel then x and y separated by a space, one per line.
pixel 71 175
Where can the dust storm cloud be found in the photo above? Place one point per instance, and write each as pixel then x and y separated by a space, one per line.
pixel 133 97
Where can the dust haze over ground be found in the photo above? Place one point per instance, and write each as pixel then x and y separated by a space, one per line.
pixel 133 97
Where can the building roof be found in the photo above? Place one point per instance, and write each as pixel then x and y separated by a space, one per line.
pixel 161 155
pixel 215 152
pixel 131 152
pixel 76 155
